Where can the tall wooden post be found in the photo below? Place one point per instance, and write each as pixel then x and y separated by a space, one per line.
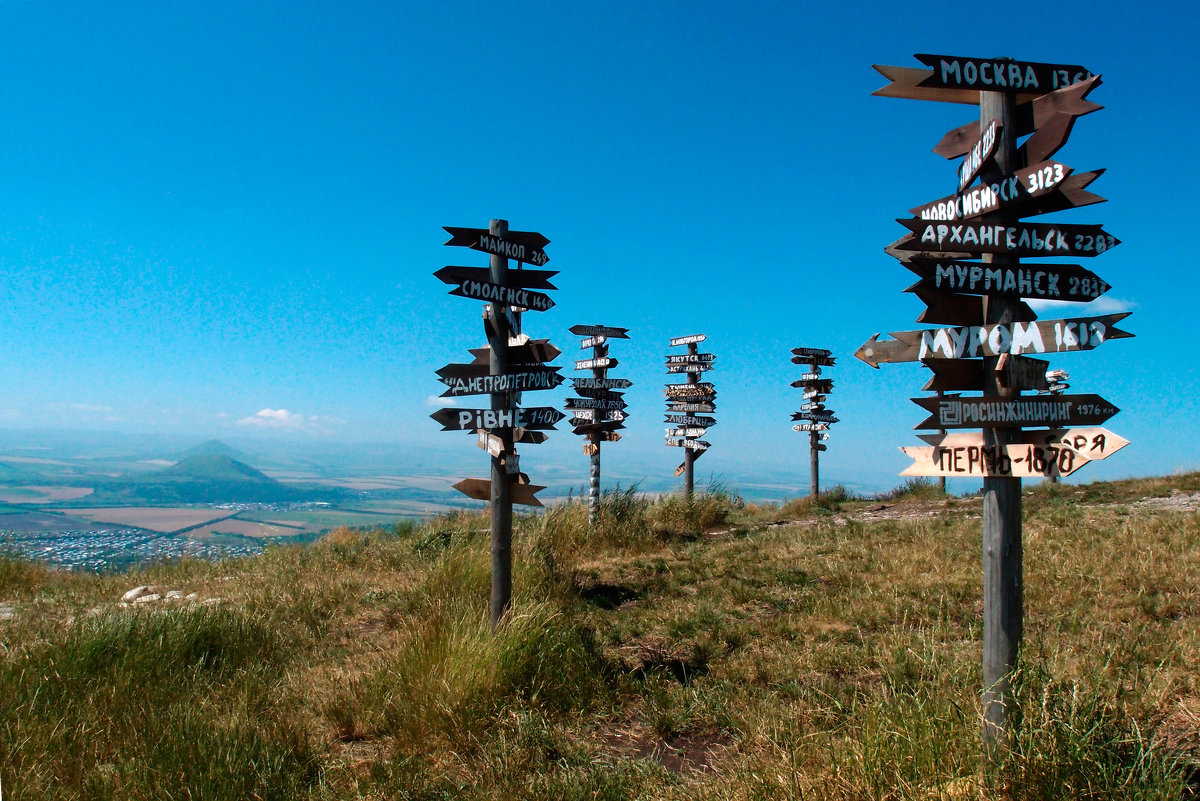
pixel 814 464
pixel 1003 588
pixel 501 481
pixel 689 455
pixel 942 431
pixel 598 351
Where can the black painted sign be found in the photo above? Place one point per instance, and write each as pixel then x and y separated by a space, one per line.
pixel 999 75
pixel 1041 281
pixel 1018 239
pixel 1055 411
pixel 525 246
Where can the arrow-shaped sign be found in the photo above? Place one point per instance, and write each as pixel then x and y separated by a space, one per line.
pixel 481 490
pixel 689 390
pixel 693 444
pixel 1041 281
pixel 601 383
pixel 703 408
pixel 811 427
pixel 703 367
pixel 979 155
pixel 1069 102
pixel 820 353
pixel 690 420
pixel 530 417
pixel 947 308
pixel 1018 239
pixel 519 278
pixel 823 416
pixel 1016 190
pixel 822 385
pixel 815 361
pixel 1035 411
pixel 599 331
pixel 1041 336
pixel 967 375
pixel 691 358
pixel 1093 443
pixel 536 379
pixel 683 466
pixel 595 364
pixel 496 293
pixel 533 351
pixel 523 246
pixel 686 433
pixel 595 403
pixel 677 341
pixel 999 75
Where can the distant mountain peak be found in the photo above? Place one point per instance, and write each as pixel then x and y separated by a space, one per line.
pixel 214 447
pixel 216 467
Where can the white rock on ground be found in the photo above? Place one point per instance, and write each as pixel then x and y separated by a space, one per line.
pixel 137 592
pixel 7 612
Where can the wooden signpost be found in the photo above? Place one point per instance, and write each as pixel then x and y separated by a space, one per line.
pixel 814 417
pixel 599 409
pixel 511 364
pixel 966 248
pixel 690 397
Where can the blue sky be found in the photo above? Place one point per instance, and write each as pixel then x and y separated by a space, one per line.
pixel 223 218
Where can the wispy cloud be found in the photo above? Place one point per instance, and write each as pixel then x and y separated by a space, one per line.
pixel 283 420
pixel 1104 304
pixel 438 400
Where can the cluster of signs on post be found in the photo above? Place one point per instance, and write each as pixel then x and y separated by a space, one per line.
pixel 598 411
pixel 687 401
pixel 947 245
pixel 813 417
pixel 508 293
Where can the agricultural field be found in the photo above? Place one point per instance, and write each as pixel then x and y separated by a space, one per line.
pixel 152 518
pixel 43 494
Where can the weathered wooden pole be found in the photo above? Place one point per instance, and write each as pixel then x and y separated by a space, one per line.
pixel 599 350
pixel 689 455
pixel 501 480
pixel 1003 589
pixel 813 463
pixel 942 431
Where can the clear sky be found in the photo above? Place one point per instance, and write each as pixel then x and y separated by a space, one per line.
pixel 223 218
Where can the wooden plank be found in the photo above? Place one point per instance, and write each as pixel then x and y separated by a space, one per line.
pixel 906 84
pixel 998 75
pixel 966 375
pixel 1068 282
pixel 902 249
pixel 1021 372
pixel 524 246
pixel 527 437
pixel 595 364
pixel 984 461
pixel 690 420
pixel 530 417
pixel 599 331
pixel 703 367
pixel 602 404
pixel 588 428
pixel 601 383
pixel 686 432
pixel 688 340
pixel 822 416
pixel 1093 442
pixel 820 353
pixel 481 490
pixel 814 394
pixel 532 351
pixel 536 379
pixel 490 443
pixel 681 406
pixel 813 406
pixel 592 342
pixel 978 156
pixel 1037 337
pixel 1071 100
pixel 693 444
pixel 700 389
pixel 690 358
pixel 607 394
pixel 1017 239
pixel 590 449
pixel 815 361
pixel 1053 411
pixel 496 293
pixel 525 279
pixel 948 308
pixel 822 385
pixel 1012 191
pixel 680 470
pixel 597 415
pixel 811 427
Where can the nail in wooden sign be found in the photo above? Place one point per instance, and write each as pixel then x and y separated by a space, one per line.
pixel 1069 282
pixel 531 417
pixel 1018 239
pixel 536 379
pixel 1037 337
pixel 525 246
pixel 601 383
pixel 599 331
pixel 524 279
pixel 481 490
pixel 677 341
pixel 1053 411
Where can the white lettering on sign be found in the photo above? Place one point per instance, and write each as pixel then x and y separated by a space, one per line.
pixel 977 156
pixel 1042 239
pixel 1000 74
pixel 688 340
pixel 965 412
pixel 482 385
pixel 523 298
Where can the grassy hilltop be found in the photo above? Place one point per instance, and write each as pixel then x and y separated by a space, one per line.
pixel 825 649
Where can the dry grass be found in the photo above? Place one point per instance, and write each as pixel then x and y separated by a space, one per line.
pixel 831 657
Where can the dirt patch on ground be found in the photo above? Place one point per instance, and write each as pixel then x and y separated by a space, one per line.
pixel 1177 501
pixel 687 753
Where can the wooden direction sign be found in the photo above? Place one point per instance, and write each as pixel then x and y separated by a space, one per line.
pixel 606 394
pixel 703 408
pixel 526 279
pixel 599 331
pixel 496 293
pixel 1040 189
pixel 587 427
pixel 686 433
pixel 1041 336
pixel 689 368
pixel 821 416
pixel 1049 117
pixel 535 379
pixel 1052 411
pixel 816 394
pixel 691 358
pixel 820 353
pixel 821 385
pixel 811 427
pixel 1040 281
pixel 601 383
pixel 1017 239
pixel 702 389
pixel 695 455
pixel 525 246
pixel 481 490
pixel 813 406
pixel 690 420
pixel 603 404
pixel 595 364
pixel 979 155
pixel 479 368
pixel 966 375
pixel 528 437
pixel 815 361
pixel 948 308
pixel 490 443
pixel 677 341
pixel 601 415
pixel 1092 442
pixel 694 444
pixel 592 342
pixel 532 351
pixel 532 417
pixel 809 378
pixel 999 75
